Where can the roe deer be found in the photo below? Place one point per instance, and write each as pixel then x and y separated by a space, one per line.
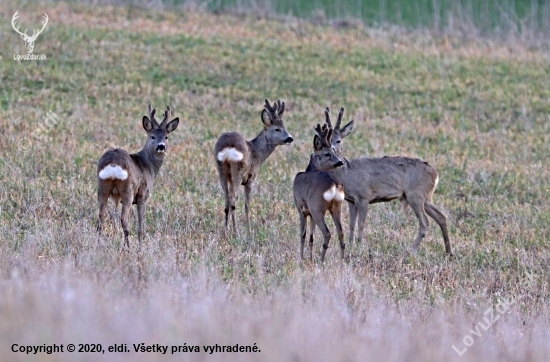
pixel 371 180
pixel 317 191
pixel 129 178
pixel 238 160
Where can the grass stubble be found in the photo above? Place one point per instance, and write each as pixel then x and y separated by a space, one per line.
pixel 477 111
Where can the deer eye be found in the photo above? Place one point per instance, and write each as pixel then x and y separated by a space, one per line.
pixel 152 137
pixel 277 130
pixel 166 137
pixel 327 154
pixel 338 141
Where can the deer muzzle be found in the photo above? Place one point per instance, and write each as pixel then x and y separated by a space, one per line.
pixel 289 140
pixel 161 148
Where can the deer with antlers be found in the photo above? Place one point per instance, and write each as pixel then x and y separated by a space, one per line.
pixel 318 190
pixel 29 40
pixel 128 178
pixel 372 180
pixel 238 160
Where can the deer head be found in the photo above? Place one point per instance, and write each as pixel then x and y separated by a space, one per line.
pixel 29 40
pixel 338 133
pixel 274 127
pixel 324 157
pixel 157 134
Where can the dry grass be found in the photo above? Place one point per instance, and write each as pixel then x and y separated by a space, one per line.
pixel 478 113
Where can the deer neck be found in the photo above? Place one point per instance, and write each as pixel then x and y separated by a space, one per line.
pixel 261 149
pixel 311 166
pixel 346 163
pixel 152 162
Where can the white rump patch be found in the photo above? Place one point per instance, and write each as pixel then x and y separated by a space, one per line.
pixel 113 172
pixel 230 154
pixel 339 194
pixel 335 193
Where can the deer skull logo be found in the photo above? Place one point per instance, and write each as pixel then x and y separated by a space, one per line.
pixel 29 40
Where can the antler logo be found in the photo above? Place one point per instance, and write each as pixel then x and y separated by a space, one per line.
pixel 29 40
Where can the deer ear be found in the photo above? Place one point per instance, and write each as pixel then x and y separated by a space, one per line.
pixel 317 145
pixel 147 124
pixel 346 130
pixel 172 125
pixel 265 118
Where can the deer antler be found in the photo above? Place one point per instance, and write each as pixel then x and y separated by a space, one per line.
pixel 275 111
pixel 281 106
pixel 152 112
pixel 327 117
pixel 271 109
pixel 167 115
pixel 324 133
pixel 339 120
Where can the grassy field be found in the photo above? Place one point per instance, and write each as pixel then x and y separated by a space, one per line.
pixel 488 17
pixel 477 111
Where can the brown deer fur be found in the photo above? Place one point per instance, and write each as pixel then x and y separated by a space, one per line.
pixel 371 180
pixel 238 160
pixel 317 190
pixel 128 178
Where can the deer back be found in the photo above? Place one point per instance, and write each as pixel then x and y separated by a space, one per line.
pixel 387 178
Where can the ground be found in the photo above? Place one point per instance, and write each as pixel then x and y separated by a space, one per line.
pixel 476 110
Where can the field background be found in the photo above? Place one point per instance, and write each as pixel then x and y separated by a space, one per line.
pixel 474 104
pixel 488 17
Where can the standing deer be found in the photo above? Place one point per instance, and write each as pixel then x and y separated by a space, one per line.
pixel 129 177
pixel 317 190
pixel 29 40
pixel 238 160
pixel 371 180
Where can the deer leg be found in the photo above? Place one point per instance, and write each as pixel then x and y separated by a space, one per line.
pixel 141 214
pixel 352 221
pixel 303 226
pixel 235 181
pixel 319 219
pixel 116 201
pixel 247 190
pixel 335 212
pixel 124 216
pixel 232 201
pixel 311 232
pixel 435 214
pixel 362 209
pixel 417 204
pixel 226 215
pixel 225 187
pixel 103 199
